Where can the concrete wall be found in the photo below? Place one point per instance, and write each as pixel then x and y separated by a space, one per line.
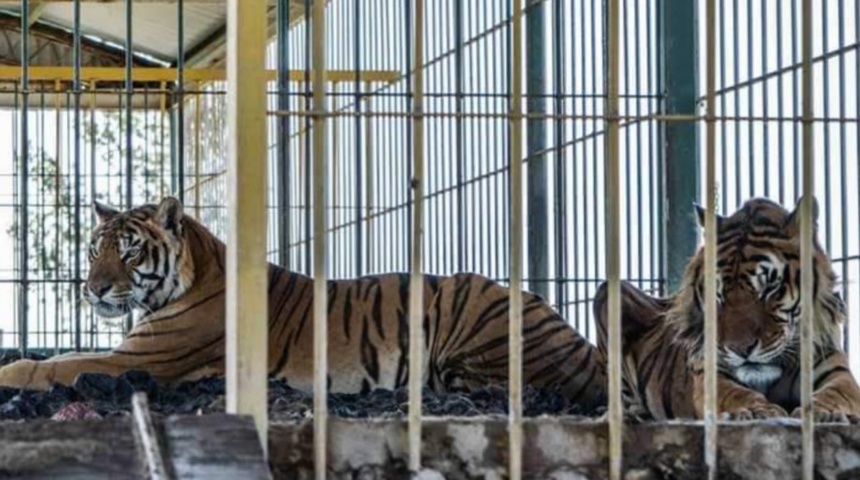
pixel 562 449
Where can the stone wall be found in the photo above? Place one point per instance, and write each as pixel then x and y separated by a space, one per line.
pixel 562 449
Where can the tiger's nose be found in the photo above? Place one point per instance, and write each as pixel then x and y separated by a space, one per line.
pixel 100 290
pixel 749 349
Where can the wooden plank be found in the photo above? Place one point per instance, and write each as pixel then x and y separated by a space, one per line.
pixel 215 446
pixel 147 435
pixel 246 301
pixel 158 74
pixel 100 449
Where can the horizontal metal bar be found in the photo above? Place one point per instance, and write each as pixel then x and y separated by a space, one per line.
pixel 782 71
pixel 155 74
pixel 552 116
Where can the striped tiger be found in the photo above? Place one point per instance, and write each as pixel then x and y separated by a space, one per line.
pixel 758 285
pixel 168 265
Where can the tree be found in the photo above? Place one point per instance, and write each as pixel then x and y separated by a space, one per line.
pixel 51 213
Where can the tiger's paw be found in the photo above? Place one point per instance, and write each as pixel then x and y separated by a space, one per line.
pixel 758 411
pixel 822 414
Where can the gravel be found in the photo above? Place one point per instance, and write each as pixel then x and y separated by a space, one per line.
pixel 100 395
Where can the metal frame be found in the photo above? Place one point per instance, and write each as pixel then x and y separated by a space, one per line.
pixel 247 200
pixel 678 80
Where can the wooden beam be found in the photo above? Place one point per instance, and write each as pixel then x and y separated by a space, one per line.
pixel 36 11
pixel 156 74
pixel 247 302
pixel 148 439
pixel 211 52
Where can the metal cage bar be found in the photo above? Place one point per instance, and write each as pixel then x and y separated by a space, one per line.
pixel 710 267
pixel 246 294
pixel 416 284
pixel 807 273
pixel 77 87
pixel 613 238
pixel 515 334
pixel 24 190
pixel 320 257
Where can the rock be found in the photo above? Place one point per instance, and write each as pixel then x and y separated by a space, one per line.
pixel 76 411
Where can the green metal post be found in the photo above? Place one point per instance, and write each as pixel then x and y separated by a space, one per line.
pixel 678 84
pixel 537 179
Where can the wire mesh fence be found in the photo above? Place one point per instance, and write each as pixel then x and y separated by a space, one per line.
pixel 467 96
pixel 172 137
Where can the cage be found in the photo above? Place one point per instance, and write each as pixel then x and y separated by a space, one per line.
pixel 547 145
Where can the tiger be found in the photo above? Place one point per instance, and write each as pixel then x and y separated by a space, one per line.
pixel 167 265
pixel 758 297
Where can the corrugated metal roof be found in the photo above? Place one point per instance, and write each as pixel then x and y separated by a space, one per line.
pixel 154 24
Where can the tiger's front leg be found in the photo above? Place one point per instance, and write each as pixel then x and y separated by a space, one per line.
pixel 41 375
pixel 734 401
pixel 837 398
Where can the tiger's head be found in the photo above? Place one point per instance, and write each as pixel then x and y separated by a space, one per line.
pixel 138 258
pixel 758 292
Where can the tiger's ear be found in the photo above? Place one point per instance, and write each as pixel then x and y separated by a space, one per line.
pixel 792 222
pixel 700 216
pixel 169 215
pixel 104 212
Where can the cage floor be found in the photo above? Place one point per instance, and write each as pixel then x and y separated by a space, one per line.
pixel 99 395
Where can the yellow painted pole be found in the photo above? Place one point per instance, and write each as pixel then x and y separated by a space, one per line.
pixel 320 271
pixel 515 321
pixel 158 74
pixel 246 302
pixel 416 283
pixel 613 253
pixel 710 354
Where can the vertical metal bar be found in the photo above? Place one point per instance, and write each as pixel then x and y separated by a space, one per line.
pixel 750 98
pixel 129 95
pixel 764 97
pixel 779 104
pixel 710 357
pixel 736 68
pixel 806 248
pixel 560 164
pixel 515 264
pixel 320 272
pixel 309 225
pixel 246 302
pixel 76 52
pixel 368 178
pixel 197 154
pixel 613 238
pixel 358 254
pixel 795 59
pixel 677 59
pixel 129 151
pixel 179 124
pixel 283 141
pixel 459 133
pixel 24 218
pixel 843 176
pixel 825 101
pixel 416 284
pixel 537 189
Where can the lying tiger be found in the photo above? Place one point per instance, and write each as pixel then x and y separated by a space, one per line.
pixel 758 295
pixel 168 265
